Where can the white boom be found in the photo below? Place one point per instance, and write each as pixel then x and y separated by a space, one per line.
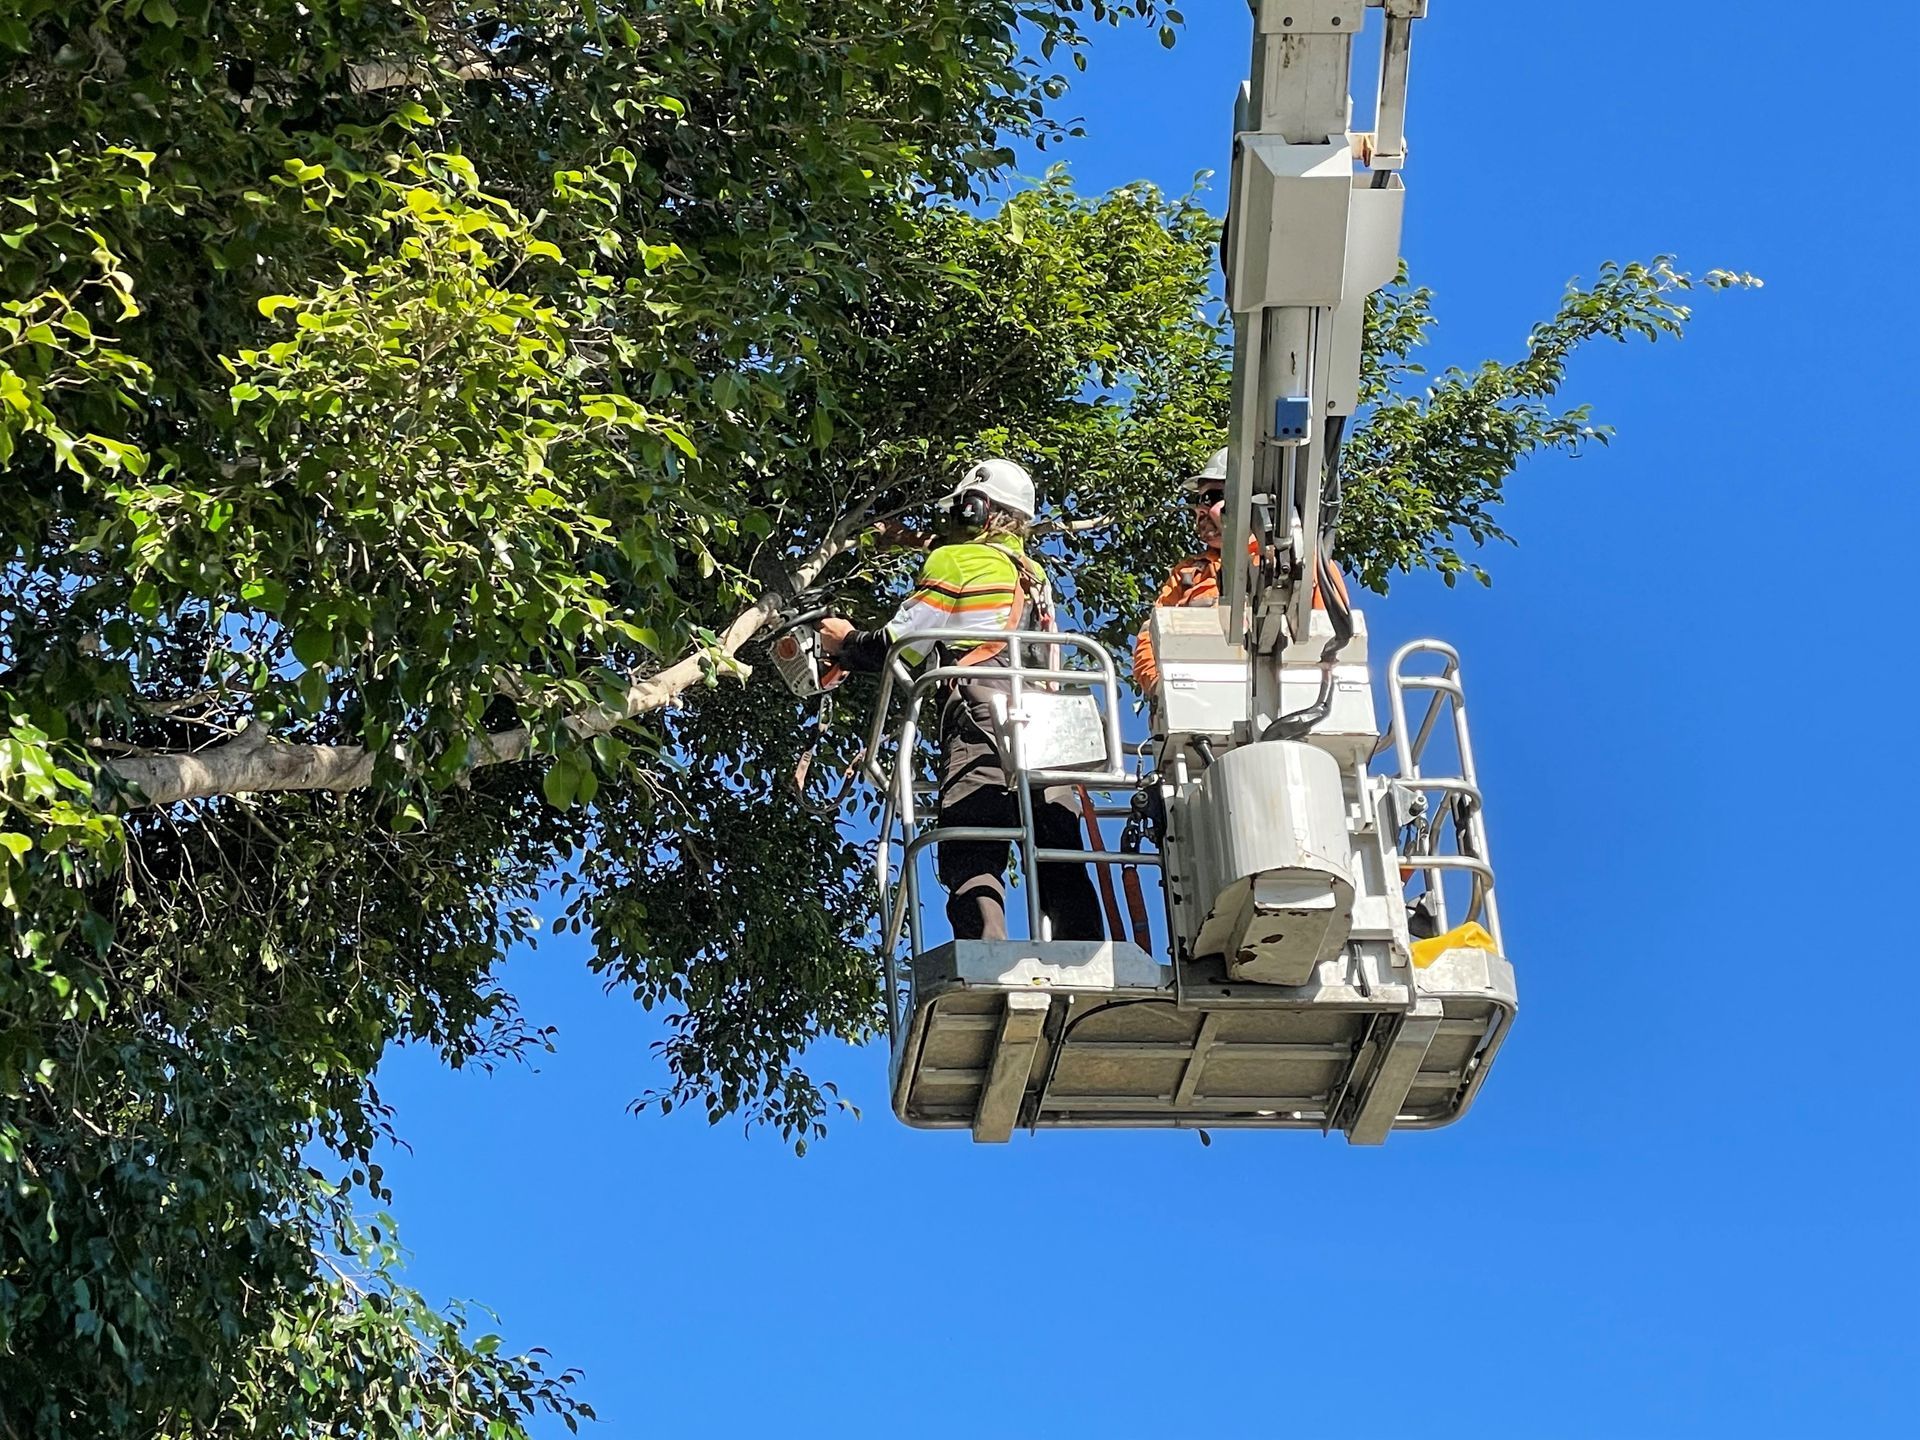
pixel 1310 236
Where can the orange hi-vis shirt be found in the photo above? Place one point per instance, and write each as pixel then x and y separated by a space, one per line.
pixel 1194 581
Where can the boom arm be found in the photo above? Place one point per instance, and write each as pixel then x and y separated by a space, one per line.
pixel 1309 238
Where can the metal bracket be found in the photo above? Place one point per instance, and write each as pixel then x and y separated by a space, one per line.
pixel 1389 143
pixel 1393 1075
pixel 1013 1056
pixel 1310 17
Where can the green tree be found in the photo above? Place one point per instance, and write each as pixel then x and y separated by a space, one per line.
pixel 413 418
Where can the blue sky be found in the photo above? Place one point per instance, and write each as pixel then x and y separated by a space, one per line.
pixel 1685 1204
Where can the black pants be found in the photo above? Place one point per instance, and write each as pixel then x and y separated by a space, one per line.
pixel 974 871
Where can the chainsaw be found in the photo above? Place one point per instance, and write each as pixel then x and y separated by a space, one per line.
pixel 797 656
pixel 805 670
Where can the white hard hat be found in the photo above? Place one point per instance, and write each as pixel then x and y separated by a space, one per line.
pixel 1001 481
pixel 1216 471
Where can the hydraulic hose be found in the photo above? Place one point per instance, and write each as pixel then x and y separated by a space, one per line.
pixel 1333 592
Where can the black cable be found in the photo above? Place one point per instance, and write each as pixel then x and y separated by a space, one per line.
pixel 1330 486
pixel 1340 612
pixel 1333 593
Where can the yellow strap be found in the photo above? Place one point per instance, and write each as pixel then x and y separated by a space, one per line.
pixel 1469 936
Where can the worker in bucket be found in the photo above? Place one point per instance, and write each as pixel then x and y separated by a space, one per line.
pixel 1196 579
pixel 981 578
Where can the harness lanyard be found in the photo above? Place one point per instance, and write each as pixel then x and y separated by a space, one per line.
pixel 804 768
pixel 1137 905
pixel 1130 838
pixel 1116 929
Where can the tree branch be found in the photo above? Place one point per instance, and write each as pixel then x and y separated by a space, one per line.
pixel 1072 527
pixel 256 763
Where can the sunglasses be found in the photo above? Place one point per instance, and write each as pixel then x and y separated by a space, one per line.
pixel 1209 497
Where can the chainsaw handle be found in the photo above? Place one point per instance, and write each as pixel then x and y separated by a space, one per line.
pixel 805 617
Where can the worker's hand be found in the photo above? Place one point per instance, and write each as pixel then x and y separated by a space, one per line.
pixel 833 633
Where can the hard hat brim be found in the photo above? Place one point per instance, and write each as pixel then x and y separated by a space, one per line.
pixel 1207 476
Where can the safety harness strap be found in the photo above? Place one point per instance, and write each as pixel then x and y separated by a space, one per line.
pixel 1025 590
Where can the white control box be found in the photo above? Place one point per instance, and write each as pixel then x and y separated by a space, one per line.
pixel 1203 678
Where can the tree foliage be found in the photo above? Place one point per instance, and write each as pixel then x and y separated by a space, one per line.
pixel 1428 467
pixel 412 417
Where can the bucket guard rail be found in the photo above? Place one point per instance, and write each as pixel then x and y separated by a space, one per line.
pixel 890 763
pixel 1441 830
pixel 1440 814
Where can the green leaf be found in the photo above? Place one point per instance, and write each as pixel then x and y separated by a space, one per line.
pixel 267 594
pixel 312 645
pixel 313 688
pixel 560 782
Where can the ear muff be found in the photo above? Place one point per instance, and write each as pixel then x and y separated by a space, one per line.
pixel 970 510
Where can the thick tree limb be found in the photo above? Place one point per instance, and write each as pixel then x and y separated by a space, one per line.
pixel 255 763
pixel 1072 527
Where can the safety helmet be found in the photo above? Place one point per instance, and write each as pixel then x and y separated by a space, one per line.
pixel 1215 473
pixel 1006 484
